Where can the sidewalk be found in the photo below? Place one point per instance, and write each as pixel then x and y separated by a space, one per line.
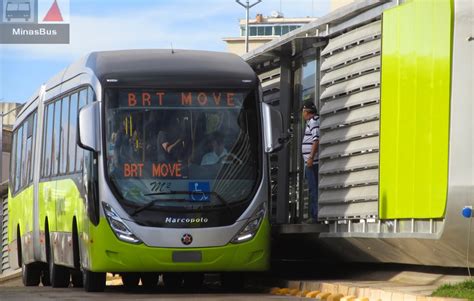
pixel 11 277
pixel 406 285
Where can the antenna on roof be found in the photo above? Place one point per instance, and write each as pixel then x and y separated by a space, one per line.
pixel 172 50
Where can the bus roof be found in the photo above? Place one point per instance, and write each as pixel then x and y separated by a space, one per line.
pixel 171 68
pixel 157 68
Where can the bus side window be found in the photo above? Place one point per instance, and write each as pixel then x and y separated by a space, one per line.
pixel 92 186
pixel 72 132
pixel 24 154
pixel 91 174
pixel 63 153
pixel 18 158
pixel 48 140
pixel 80 151
pixel 12 162
pixel 56 138
pixel 32 151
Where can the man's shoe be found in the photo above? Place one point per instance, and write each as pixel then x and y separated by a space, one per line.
pixel 310 220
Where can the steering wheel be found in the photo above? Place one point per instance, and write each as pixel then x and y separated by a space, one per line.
pixel 230 158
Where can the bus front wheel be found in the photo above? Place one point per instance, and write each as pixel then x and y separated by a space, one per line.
pixel 93 282
pixel 130 280
pixel 150 280
pixel 30 274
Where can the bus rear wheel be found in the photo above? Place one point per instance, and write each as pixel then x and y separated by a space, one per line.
pixel 93 282
pixel 45 279
pixel 77 279
pixel 59 276
pixel 30 274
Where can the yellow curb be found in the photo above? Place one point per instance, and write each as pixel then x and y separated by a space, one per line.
pixel 335 297
pixel 348 298
pixel 283 291
pixel 303 293
pixel 293 292
pixel 323 296
pixel 312 294
pixel 274 290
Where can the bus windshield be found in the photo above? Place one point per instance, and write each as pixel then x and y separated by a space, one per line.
pixel 181 149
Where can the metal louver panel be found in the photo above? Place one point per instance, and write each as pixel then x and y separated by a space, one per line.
pixel 351 116
pixel 351 210
pixel 365 193
pixel 349 148
pixel 370 176
pixel 356 69
pixel 4 225
pixel 350 132
pixel 366 32
pixel 369 160
pixel 352 85
pixel 350 112
pixel 351 100
pixel 351 55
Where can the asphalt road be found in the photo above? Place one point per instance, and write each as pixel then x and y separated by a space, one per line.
pixel 117 293
pixel 14 290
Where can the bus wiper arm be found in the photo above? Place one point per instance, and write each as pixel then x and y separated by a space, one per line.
pixel 219 197
pixel 151 203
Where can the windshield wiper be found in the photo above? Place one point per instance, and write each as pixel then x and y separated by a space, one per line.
pixel 218 196
pixel 151 203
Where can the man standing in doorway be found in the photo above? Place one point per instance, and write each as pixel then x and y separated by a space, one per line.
pixel 309 149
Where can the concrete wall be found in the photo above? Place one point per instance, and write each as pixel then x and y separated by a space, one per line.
pixel 237 45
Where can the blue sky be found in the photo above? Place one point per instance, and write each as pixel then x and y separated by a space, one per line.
pixel 124 24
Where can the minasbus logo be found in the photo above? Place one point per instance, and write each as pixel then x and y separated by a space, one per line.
pixel 34 21
pixel 174 220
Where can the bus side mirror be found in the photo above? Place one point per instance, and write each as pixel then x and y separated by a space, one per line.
pixel 274 136
pixel 89 127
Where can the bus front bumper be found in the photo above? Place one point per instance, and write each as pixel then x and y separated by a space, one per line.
pixel 106 253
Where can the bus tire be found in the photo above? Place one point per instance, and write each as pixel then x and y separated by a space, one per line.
pixel 45 279
pixel 193 281
pixel 150 280
pixel 172 281
pixel 77 279
pixel 233 281
pixel 93 281
pixel 59 276
pixel 30 274
pixel 130 280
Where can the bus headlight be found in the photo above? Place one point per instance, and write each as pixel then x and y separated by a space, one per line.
pixel 121 230
pixel 252 226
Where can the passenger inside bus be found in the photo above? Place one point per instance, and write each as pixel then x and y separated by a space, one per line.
pixel 173 145
pixel 218 150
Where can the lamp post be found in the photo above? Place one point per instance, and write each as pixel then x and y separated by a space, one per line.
pixel 247 7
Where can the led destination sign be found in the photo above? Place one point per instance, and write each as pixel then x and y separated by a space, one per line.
pixel 146 99
pixel 160 170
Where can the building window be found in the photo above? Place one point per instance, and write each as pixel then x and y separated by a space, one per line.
pixel 253 31
pixel 277 30
pixel 268 30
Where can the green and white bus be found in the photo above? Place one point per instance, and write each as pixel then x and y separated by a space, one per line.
pixel 142 163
